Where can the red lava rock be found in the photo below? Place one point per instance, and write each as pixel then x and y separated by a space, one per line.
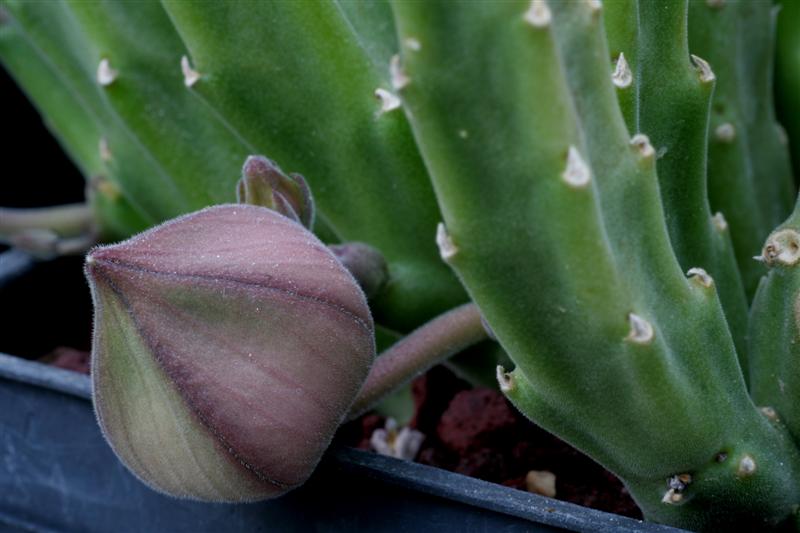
pixel 68 359
pixel 432 394
pixel 369 424
pixel 474 419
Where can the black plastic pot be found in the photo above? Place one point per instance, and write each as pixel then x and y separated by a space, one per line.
pixel 58 474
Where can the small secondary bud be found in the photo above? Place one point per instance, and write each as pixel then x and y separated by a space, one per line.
pixel 105 74
pixel 190 76
pixel 641 331
pixel 622 76
pixel 538 14
pixel 228 346
pixel 264 183
pixel 365 263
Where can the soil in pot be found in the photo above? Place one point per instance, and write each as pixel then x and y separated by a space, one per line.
pixel 478 433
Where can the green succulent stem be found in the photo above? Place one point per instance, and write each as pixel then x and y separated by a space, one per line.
pixel 787 82
pixel 66 220
pixel 587 307
pixel 749 175
pixel 674 93
pixel 49 231
pixel 430 344
pixel 775 327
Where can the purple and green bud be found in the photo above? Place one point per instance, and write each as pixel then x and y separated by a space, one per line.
pixel 263 183
pixel 229 345
pixel 365 263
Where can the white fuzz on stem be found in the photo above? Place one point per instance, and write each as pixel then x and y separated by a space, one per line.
pixel 672 497
pixel 747 466
pixel 413 44
pixel 725 132
pixel 104 150
pixel 700 276
pixel 703 69
pixel 642 143
pixel 719 222
pixel 447 249
pixel 641 331
pixel 396 73
pixel 105 74
pixel 782 248
pixel 538 14
pixel 389 101
pixel 769 412
pixel 505 380
pixel 190 76
pixel 577 173
pixel 622 76
pixel 595 5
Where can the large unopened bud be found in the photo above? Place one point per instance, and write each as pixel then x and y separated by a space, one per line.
pixel 264 183
pixel 229 345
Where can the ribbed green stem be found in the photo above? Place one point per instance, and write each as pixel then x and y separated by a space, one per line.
pixel 675 96
pixel 360 160
pixel 594 310
pixel 775 327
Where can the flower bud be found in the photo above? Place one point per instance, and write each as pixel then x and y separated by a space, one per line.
pixel 264 183
pixel 228 346
pixel 365 263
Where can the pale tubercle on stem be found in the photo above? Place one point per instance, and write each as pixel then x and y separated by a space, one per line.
pixel 424 347
pixel 47 232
